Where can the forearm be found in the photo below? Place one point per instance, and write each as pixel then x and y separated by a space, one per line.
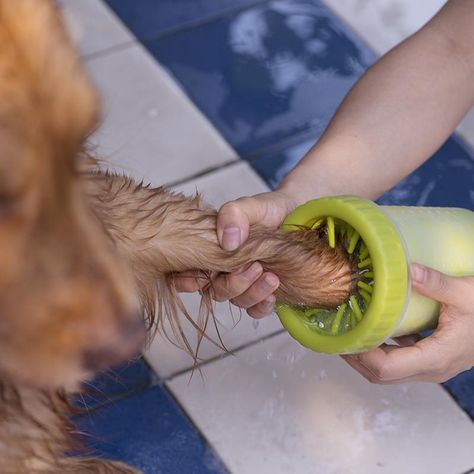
pixel 397 115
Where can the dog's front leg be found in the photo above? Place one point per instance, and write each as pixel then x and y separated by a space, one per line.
pixel 162 233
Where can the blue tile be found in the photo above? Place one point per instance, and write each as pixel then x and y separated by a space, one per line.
pixel 268 73
pixel 116 382
pixel 447 179
pixel 150 432
pixel 461 389
pixel 149 18
pixel 273 167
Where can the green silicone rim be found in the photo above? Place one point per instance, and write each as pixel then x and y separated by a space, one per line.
pixel 390 268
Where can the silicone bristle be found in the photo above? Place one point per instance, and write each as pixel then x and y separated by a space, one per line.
pixel 356 308
pixel 364 286
pixel 346 316
pixel 331 232
pixel 365 263
pixel 366 296
pixel 353 242
pixel 352 319
pixel 349 232
pixel 317 224
pixel 338 318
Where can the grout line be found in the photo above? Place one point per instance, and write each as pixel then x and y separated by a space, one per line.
pixel 190 24
pixel 86 410
pixel 111 49
pixel 208 445
pixel 248 158
pixel 456 401
pixel 233 352
pixel 206 171
pixel 291 140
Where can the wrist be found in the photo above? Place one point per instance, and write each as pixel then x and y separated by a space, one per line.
pixel 306 183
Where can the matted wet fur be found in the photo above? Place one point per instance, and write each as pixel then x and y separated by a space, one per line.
pixel 160 233
pixel 86 255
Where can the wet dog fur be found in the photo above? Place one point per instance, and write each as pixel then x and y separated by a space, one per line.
pixel 90 258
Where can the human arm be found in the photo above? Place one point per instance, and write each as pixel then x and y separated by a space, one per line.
pixel 394 118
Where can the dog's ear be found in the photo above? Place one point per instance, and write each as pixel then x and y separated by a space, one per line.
pixel 45 96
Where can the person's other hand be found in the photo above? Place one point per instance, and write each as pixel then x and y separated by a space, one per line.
pixel 439 357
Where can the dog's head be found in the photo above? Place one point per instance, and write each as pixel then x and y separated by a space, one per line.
pixel 67 305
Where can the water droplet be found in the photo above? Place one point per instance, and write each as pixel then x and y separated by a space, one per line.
pixel 152 113
pixel 255 323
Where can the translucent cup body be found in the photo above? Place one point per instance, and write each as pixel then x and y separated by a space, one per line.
pixel 440 238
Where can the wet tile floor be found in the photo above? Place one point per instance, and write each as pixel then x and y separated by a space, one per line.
pixel 257 80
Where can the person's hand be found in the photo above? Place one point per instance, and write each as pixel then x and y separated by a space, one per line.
pixel 439 357
pixel 250 287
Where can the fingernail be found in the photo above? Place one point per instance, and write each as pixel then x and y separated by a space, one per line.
pixel 271 281
pixel 231 238
pixel 253 271
pixel 418 272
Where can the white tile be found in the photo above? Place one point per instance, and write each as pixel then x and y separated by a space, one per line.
pixel 217 188
pixel 278 408
pixel 150 128
pixel 93 26
pixel 231 182
pixel 385 23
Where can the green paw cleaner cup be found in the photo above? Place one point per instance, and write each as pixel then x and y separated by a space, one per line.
pixel 382 241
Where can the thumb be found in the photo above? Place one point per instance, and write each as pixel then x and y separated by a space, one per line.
pixel 233 222
pixel 235 217
pixel 436 285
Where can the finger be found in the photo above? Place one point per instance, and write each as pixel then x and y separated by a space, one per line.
pixel 388 363
pixel 262 309
pixel 229 286
pixel 189 282
pixel 438 286
pixel 262 289
pixel 362 370
pixel 365 372
pixel 234 219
